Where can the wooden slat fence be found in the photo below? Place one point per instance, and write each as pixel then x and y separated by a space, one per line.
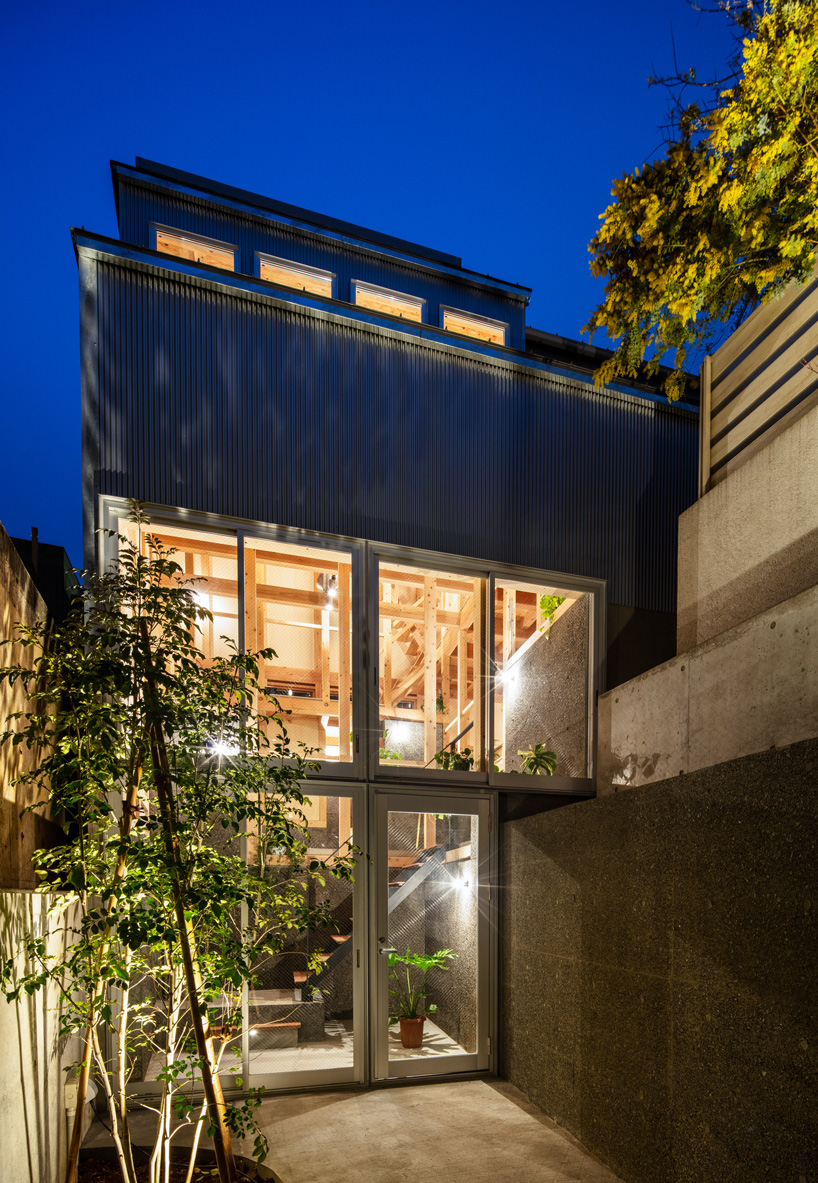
pixel 763 378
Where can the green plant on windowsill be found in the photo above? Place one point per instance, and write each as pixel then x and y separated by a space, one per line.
pixel 536 758
pixel 548 606
pixel 451 761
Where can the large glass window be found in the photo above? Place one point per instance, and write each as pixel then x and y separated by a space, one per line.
pixel 430 669
pixel 298 602
pixel 540 679
pixel 463 685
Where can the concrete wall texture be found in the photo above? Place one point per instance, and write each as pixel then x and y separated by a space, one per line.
pixel 752 541
pixel 746 690
pixel 659 972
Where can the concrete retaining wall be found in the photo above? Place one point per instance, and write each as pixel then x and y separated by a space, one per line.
pixel 746 690
pixel 752 541
pixel 659 972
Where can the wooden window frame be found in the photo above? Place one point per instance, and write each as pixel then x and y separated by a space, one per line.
pixel 387 294
pixel 304 269
pixel 157 228
pixel 477 319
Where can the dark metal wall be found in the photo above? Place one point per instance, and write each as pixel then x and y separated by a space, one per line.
pixel 139 206
pixel 234 405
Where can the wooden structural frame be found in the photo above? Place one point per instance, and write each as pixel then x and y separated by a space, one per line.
pixel 347 690
pixel 762 379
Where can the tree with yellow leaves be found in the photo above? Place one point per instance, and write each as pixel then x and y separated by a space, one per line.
pixel 729 216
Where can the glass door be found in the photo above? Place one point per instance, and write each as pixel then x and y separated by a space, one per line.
pixel 431 957
pixel 302 1016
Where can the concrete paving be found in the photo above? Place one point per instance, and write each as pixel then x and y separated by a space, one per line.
pixel 469 1132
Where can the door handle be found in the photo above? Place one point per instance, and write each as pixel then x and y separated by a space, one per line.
pixel 387 950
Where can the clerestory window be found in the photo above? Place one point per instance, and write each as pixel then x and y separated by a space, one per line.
pixel 368 295
pixel 468 324
pixel 194 247
pixel 295 275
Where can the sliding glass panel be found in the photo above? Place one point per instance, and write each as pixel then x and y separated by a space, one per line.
pixel 431 668
pixel 298 601
pixel 541 679
pixel 299 1010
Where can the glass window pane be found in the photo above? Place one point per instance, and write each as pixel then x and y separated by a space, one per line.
pixel 198 250
pixel 298 602
pixel 431 678
pixel 433 914
pixel 300 1018
pixel 211 561
pixel 541 679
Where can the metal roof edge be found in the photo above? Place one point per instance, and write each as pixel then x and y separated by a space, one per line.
pixel 514 291
pixel 98 246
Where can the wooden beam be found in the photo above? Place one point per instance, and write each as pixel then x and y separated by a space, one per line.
pixel 476 734
pixel 388 695
pixel 344 661
pixel 416 578
pixel 429 668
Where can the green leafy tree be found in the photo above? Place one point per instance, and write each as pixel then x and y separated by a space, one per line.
pixel 729 215
pixel 162 764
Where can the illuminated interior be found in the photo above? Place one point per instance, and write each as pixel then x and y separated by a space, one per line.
pixel 474 326
pixel 431 675
pixel 393 303
pixel 295 275
pixel 197 250
pixel 540 654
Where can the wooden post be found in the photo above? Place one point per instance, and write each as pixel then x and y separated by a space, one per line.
pixel 478 710
pixel 429 668
pixel 344 820
pixel 429 830
pixel 344 661
pixel 251 629
pixel 386 625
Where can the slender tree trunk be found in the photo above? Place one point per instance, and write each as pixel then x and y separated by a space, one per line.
pixel 201 1027
pixel 83 1077
pixel 125 1163
pixel 122 1065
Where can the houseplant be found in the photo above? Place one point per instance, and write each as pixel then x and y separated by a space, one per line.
pixel 407 999
pixel 536 758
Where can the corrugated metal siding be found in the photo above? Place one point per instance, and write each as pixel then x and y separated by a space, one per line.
pixel 139 206
pixel 229 405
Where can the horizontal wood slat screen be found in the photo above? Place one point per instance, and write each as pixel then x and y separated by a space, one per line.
pixel 759 382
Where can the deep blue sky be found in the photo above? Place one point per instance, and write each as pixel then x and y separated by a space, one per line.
pixel 489 130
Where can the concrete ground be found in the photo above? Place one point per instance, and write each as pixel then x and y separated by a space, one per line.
pixel 470 1132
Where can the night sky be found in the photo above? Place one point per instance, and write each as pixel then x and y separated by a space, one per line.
pixel 492 131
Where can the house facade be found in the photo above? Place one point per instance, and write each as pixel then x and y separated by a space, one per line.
pixel 450 538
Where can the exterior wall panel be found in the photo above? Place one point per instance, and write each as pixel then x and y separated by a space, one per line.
pixel 139 206
pixel 231 405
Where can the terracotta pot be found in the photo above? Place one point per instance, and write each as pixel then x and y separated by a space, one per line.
pixel 411 1031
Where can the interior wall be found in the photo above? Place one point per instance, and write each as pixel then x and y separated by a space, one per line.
pixel 659 970
pixel 547 700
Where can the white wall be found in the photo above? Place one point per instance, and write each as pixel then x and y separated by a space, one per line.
pixel 33 1138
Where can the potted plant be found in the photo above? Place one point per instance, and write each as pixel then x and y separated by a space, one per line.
pixel 407 1000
